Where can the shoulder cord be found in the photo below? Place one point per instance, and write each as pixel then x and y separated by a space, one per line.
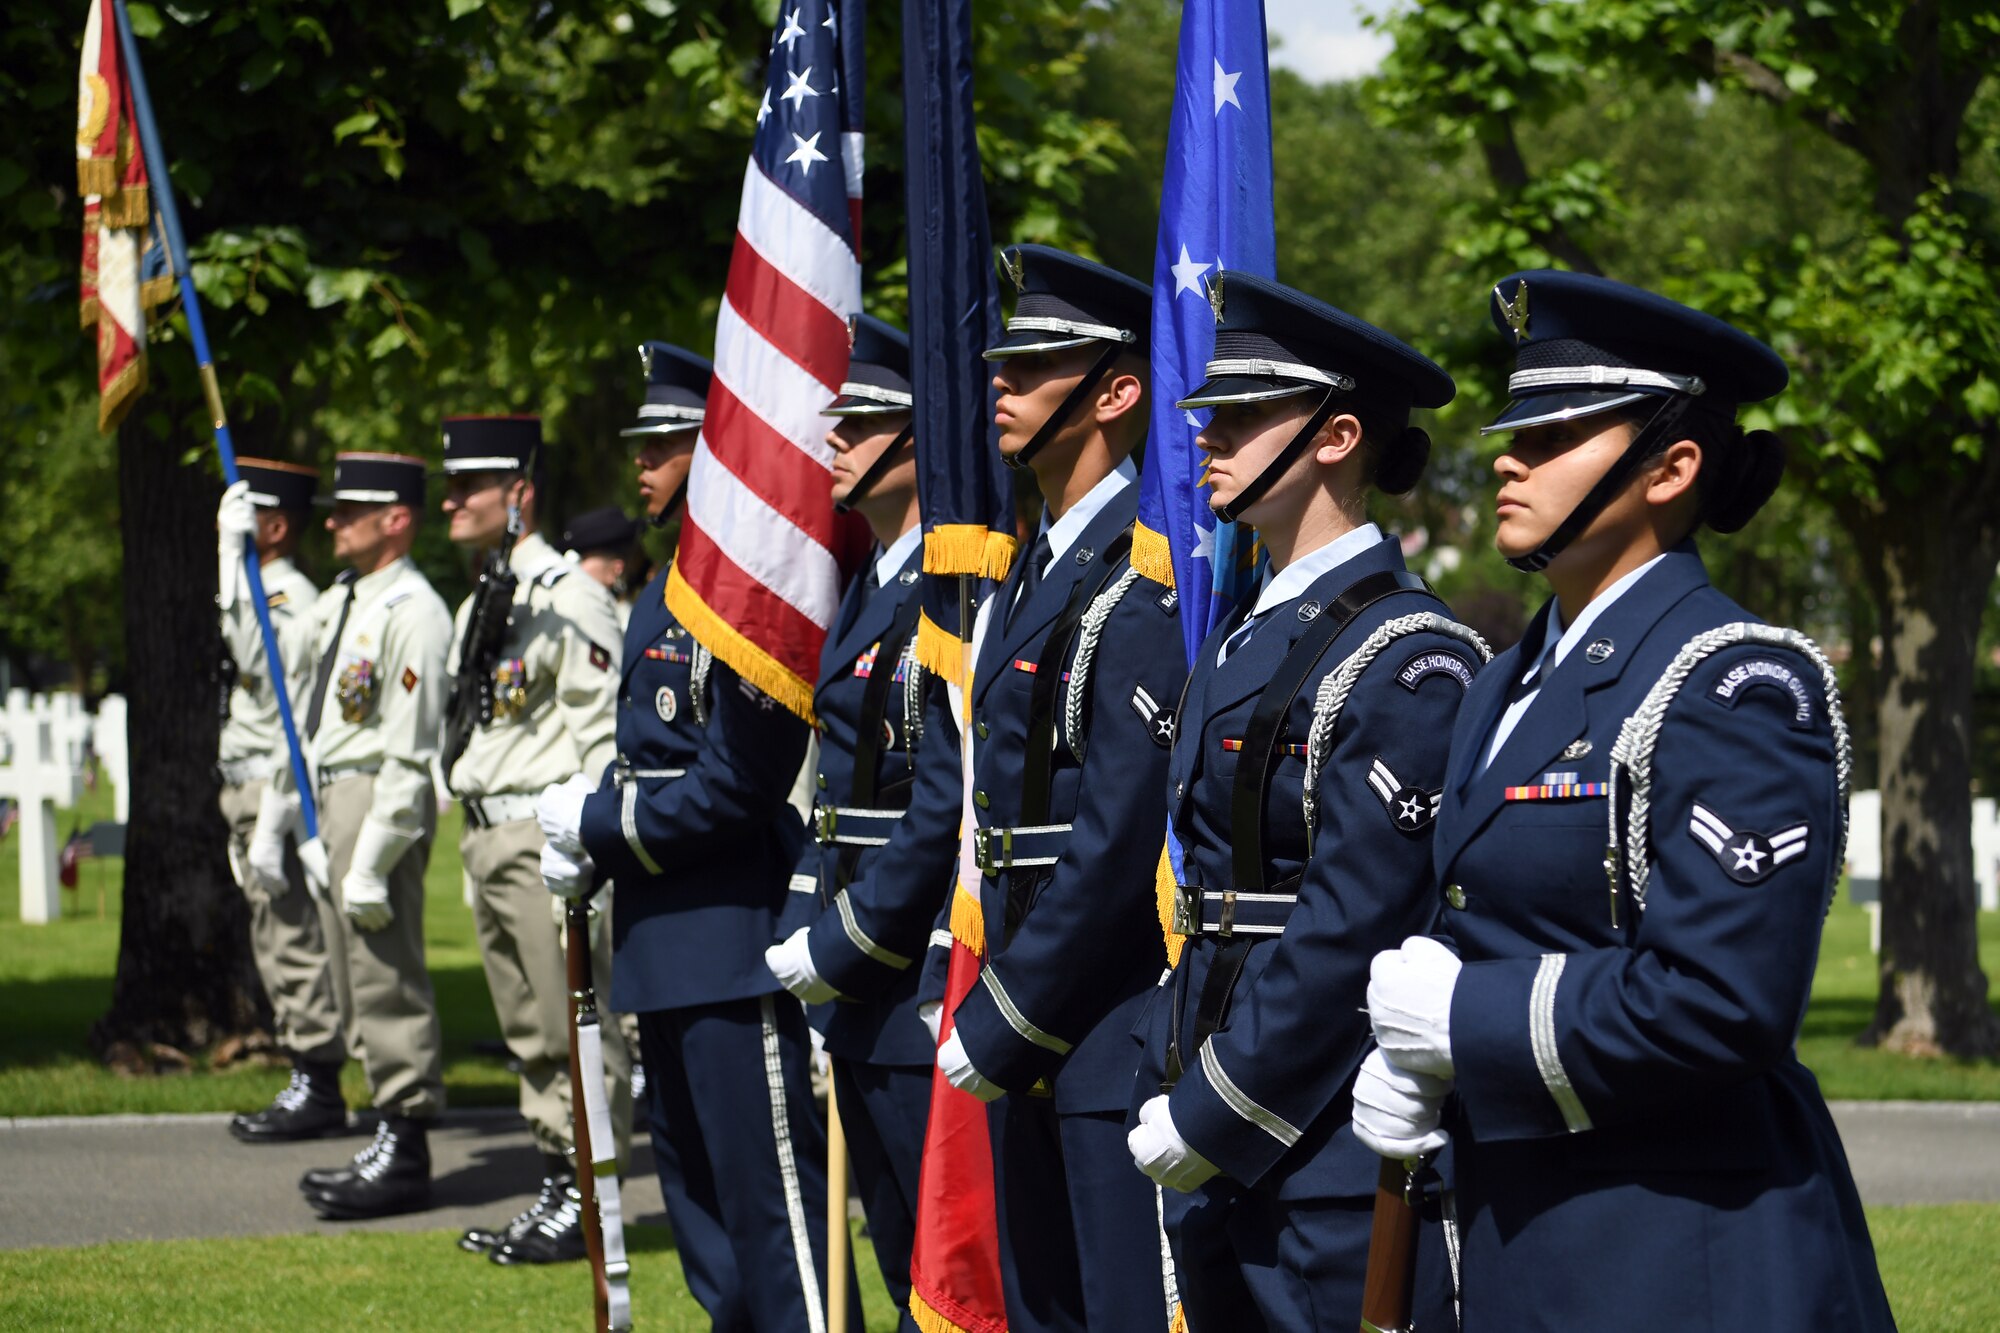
pixel 698 670
pixel 913 698
pixel 1091 630
pixel 1339 683
pixel 1639 737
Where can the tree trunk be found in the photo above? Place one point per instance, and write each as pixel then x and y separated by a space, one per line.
pixel 1936 571
pixel 185 973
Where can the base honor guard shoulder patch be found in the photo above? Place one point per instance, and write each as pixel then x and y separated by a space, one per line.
pixel 1410 809
pixel 1434 662
pixel 1765 673
pixel 1746 857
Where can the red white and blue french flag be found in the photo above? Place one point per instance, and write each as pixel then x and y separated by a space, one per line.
pixel 763 557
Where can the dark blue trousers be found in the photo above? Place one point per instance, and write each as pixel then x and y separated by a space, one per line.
pixel 1260 1258
pixel 1079 1225
pixel 741 1154
pixel 884 1109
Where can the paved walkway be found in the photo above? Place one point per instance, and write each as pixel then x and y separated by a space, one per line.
pixel 90 1179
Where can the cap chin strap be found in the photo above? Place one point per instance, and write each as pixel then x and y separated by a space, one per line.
pixel 877 469
pixel 667 510
pixel 1666 418
pixel 1288 455
pixel 1062 413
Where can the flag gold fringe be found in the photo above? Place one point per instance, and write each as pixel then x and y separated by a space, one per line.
pixel 155 292
pixel 939 651
pixel 119 395
pixel 96 175
pixel 929 1320
pixel 743 657
pixel 1180 1320
pixel 1151 556
pixel 128 207
pixel 968 927
pixel 1163 891
pixel 968 548
pixel 1000 547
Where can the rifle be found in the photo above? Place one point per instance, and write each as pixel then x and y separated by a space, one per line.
pixel 485 628
pixel 1386 1292
pixel 596 1146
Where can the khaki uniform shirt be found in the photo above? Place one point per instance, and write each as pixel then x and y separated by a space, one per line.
pixel 555 685
pixel 251 730
pixel 384 706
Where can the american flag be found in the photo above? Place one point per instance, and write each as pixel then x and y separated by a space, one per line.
pixel 762 554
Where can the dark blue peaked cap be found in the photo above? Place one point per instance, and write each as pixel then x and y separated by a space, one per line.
pixel 1586 344
pixel 1272 342
pixel 1064 301
pixel 878 371
pixel 490 444
pixel 676 390
pixel 278 485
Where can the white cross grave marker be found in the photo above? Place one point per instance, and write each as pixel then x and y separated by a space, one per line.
pixel 39 778
pixel 115 755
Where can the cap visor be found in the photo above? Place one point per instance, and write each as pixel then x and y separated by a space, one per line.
pixel 1035 340
pixel 660 428
pixel 1542 408
pixel 1243 389
pixel 848 405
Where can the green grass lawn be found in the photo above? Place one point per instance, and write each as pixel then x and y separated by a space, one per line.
pixel 407 1281
pixel 55 980
pixel 1937 1263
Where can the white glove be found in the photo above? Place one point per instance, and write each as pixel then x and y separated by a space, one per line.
pixel 312 860
pixel 1396 1111
pixel 1159 1150
pixel 1409 1004
pixel 791 963
pixel 365 891
pixel 276 815
pixel 931 1014
pixel 565 875
pixel 958 1071
pixel 560 812
pixel 235 519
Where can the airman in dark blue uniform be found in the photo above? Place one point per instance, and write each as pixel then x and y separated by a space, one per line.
pixel 1635 1142
pixel 693 823
pixel 1303 786
pixel 1075 681
pixel 866 891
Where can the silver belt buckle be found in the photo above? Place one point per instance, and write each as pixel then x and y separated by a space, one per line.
pixel 1183 921
pixel 825 821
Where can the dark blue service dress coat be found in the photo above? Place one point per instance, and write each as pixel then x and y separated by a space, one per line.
pixel 1636 1144
pixel 694 824
pixel 1280 1239
pixel 870 905
pixel 1073 947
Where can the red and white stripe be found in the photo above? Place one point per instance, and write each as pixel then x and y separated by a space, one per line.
pixel 761 547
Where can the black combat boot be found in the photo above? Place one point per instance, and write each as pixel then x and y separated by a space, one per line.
pixel 556 1177
pixel 391 1175
pixel 555 1238
pixel 309 1107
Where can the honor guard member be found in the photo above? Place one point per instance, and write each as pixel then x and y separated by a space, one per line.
pixel 535 678
pixel 1304 778
pixel 604 544
pixel 880 869
pixel 693 822
pixel 1635 1142
pixel 372 717
pixel 270 503
pixel 1076 678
